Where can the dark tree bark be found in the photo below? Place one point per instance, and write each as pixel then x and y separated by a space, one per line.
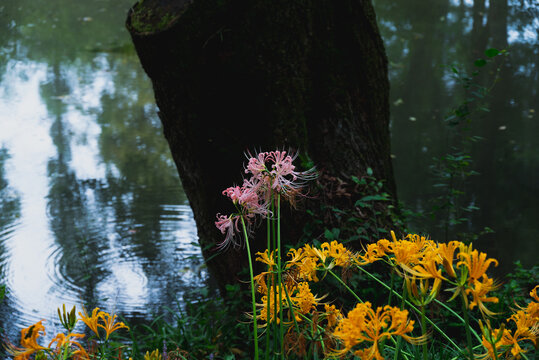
pixel 231 76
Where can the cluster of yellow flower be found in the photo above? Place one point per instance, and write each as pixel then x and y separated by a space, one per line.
pixel 363 324
pixel 419 260
pixel 299 270
pixel 502 341
pixel 424 265
pixel 62 345
pixel 306 325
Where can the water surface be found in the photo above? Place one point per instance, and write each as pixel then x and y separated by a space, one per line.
pixel 423 42
pixel 91 207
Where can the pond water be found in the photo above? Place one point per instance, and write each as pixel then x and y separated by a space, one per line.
pixel 91 207
pixel 423 42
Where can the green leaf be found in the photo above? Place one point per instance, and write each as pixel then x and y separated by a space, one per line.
pixel 328 235
pixel 373 198
pixel 478 94
pixel 362 204
pixel 369 171
pixel 332 234
pixel 480 62
pixel 492 52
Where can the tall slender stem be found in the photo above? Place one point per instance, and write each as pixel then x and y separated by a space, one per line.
pixel 275 326
pixel 467 325
pixel 270 281
pixel 455 314
pixel 255 325
pixel 279 274
pixel 424 330
pixel 391 286
pixel 345 286
pixel 399 340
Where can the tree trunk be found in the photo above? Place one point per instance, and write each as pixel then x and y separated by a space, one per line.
pixel 231 76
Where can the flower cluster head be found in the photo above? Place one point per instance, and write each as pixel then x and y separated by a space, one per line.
pixel 272 175
pixel 29 343
pixel 292 299
pixel 275 169
pixel 64 345
pixel 306 261
pixel 362 331
pixel 101 319
pixel 503 341
pixel 425 264
pixel 295 296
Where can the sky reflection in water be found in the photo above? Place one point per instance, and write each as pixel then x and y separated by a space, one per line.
pixel 92 210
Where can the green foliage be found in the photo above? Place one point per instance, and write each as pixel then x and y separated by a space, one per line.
pixel 202 329
pixel 364 221
pixel 452 207
pixel 517 286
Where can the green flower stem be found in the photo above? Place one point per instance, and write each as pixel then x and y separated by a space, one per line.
pixel 424 331
pixel 402 354
pixel 275 326
pixel 268 235
pixel 495 351
pixel 458 317
pixel 391 286
pixel 412 307
pixel 399 340
pixel 255 325
pixel 319 329
pixel 279 274
pixel 290 305
pixel 345 286
pixel 467 326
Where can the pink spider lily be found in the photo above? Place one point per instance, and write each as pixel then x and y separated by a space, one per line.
pixel 275 169
pixel 271 172
pixel 250 197
pixel 257 164
pixel 230 225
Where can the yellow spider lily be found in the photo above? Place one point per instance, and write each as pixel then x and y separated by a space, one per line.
pixel 475 262
pixel 266 258
pixel 29 343
pixel 110 324
pixel 61 340
pixel 372 253
pixel 447 253
pixel 91 321
pixel 479 291
pixel 365 325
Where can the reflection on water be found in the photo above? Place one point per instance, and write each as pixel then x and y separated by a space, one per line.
pixel 92 210
pixel 419 40
pixel 90 206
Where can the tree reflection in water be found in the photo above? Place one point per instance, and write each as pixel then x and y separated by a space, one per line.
pixel 421 39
